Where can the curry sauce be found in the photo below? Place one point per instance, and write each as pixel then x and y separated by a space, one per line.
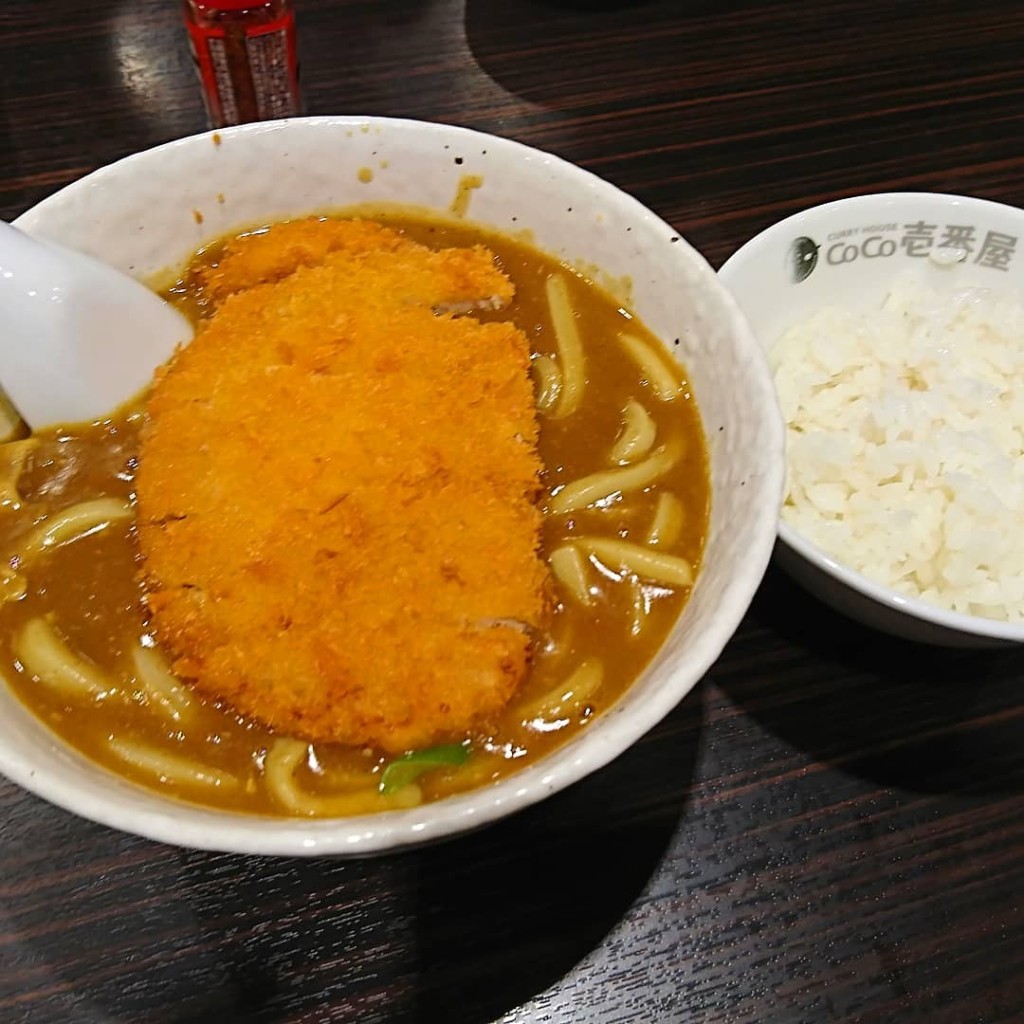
pixel 90 591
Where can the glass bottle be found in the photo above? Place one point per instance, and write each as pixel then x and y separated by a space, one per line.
pixel 246 58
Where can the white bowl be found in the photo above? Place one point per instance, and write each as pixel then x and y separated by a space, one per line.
pixel 846 254
pixel 141 214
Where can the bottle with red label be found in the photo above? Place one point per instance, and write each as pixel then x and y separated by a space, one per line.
pixel 246 58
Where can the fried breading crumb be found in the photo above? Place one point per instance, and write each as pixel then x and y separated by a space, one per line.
pixel 337 492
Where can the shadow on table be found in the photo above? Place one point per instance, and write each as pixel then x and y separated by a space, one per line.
pixel 104 927
pixel 927 719
pixel 518 906
pixel 465 930
pixel 513 41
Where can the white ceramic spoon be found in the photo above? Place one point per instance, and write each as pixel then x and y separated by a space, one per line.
pixel 77 338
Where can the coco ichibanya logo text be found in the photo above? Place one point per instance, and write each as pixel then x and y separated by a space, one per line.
pixel 949 243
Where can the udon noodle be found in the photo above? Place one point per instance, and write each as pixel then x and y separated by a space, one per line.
pixel 624 522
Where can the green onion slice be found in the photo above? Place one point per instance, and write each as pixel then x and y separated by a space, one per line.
pixel 409 767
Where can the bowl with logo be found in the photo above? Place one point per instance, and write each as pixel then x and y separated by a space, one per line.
pixel 894 326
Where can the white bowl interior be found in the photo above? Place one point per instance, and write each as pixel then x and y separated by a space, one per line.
pixel 860 246
pixel 143 214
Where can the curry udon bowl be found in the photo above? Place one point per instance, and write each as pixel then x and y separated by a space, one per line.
pixel 152 210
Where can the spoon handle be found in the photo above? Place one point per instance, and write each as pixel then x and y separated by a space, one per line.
pixel 78 338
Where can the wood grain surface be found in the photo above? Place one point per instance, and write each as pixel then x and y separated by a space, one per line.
pixel 831 828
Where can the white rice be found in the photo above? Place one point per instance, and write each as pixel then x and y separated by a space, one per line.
pixel 905 436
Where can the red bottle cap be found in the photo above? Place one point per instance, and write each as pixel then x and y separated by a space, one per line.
pixel 229 5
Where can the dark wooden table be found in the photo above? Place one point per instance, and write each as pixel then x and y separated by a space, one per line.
pixel 832 826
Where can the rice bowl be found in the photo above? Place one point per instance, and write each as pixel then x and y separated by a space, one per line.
pixel 895 348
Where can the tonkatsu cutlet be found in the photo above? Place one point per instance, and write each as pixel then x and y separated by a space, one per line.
pixel 337 490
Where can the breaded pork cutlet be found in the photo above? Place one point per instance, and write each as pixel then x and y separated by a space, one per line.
pixel 337 496
pixel 441 278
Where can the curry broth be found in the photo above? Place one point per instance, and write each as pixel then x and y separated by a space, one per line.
pixel 89 589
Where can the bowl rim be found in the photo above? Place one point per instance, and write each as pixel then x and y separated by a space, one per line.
pixel 611 734
pixel 755 242
pixel 896 601
pixel 906 604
